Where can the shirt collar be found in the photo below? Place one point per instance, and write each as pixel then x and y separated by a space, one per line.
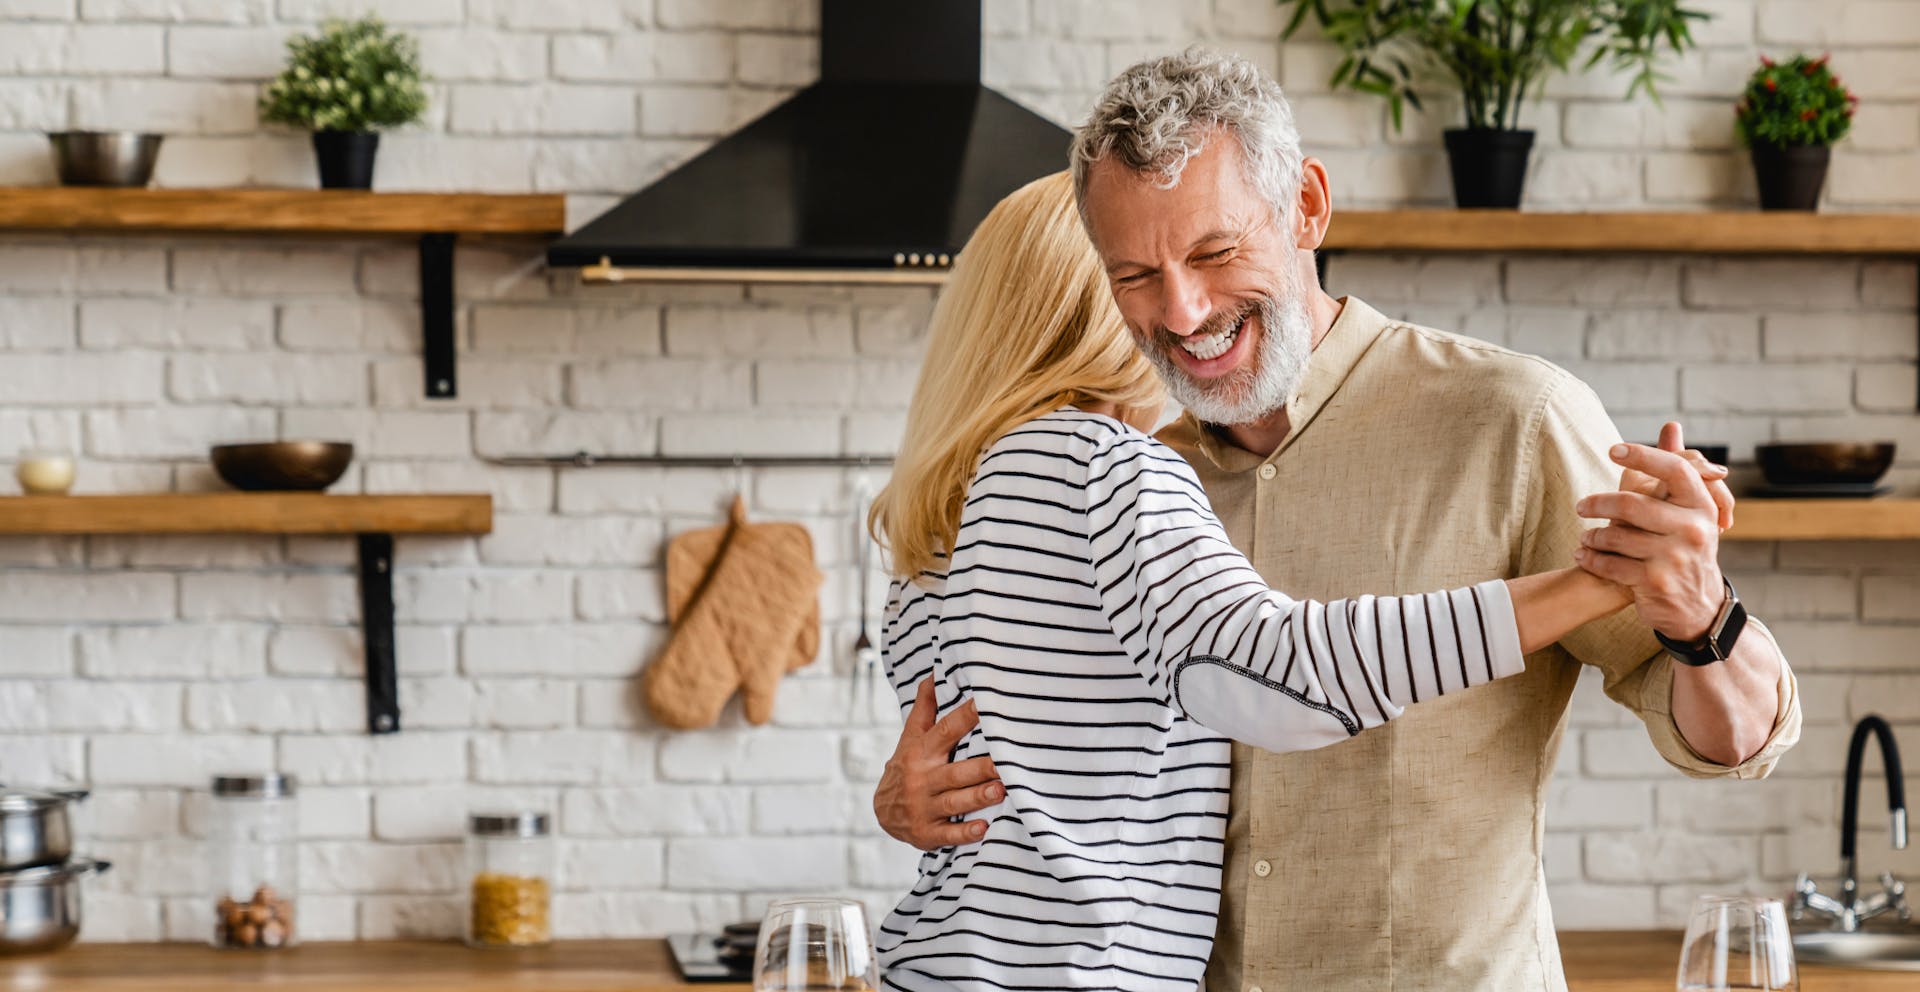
pixel 1353 332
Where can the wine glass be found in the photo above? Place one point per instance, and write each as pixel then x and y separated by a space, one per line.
pixel 815 944
pixel 1737 942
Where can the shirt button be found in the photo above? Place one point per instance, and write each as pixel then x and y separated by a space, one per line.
pixel 1267 472
pixel 1262 868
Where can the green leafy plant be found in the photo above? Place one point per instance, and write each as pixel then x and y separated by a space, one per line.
pixel 355 76
pixel 1496 51
pixel 1794 103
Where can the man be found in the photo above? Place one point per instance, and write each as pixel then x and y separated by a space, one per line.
pixel 1349 453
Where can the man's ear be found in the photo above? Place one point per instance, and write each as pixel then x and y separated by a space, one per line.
pixel 1314 208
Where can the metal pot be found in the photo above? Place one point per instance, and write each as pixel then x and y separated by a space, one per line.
pixel 40 907
pixel 34 828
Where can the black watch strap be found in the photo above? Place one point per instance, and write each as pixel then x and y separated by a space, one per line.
pixel 1717 643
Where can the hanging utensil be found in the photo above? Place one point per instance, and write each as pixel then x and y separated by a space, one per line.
pixel 866 654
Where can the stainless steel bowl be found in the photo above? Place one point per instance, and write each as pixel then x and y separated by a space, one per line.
pixel 104 158
pixel 282 465
pixel 34 827
pixel 40 907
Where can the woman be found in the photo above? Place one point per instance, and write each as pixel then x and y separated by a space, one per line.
pixel 1061 568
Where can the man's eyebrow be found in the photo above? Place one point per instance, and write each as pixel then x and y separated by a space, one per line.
pixel 1221 234
pixel 1217 234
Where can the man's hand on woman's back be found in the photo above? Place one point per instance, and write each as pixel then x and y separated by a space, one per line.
pixel 922 791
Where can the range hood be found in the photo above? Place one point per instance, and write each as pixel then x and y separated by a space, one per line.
pixel 876 173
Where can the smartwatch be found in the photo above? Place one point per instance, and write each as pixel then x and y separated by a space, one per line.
pixel 1717 643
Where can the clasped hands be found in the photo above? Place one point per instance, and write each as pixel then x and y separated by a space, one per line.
pixel 1662 537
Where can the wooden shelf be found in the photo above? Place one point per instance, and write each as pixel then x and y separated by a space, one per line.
pixel 1720 233
pixel 436 219
pixel 246 513
pixel 1825 520
pixel 373 520
pixel 291 211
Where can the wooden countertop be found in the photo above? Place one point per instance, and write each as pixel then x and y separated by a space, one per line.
pixel 1647 960
pixel 1596 962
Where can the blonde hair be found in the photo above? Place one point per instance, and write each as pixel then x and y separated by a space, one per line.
pixel 1026 325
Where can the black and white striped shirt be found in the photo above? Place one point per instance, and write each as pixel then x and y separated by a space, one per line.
pixel 1111 635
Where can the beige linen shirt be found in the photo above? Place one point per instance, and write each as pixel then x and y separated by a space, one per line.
pixel 1409 858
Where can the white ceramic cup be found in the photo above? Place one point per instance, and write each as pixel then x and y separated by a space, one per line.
pixel 44 473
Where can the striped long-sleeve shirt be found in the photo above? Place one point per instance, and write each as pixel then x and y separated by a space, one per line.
pixel 1110 635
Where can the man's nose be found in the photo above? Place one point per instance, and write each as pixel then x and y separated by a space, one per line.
pixel 1187 304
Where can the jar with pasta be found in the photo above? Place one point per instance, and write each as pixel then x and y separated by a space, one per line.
pixel 509 862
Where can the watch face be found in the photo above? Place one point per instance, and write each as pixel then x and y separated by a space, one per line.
pixel 1729 630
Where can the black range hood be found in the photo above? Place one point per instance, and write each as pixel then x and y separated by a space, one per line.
pixel 878 172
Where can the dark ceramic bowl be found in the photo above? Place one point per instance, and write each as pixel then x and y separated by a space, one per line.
pixel 282 465
pixel 1715 453
pixel 1825 463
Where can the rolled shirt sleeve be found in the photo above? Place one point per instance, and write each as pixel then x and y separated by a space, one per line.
pixel 1572 434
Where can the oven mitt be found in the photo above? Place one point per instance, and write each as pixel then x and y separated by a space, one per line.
pixel 690 557
pixel 740 627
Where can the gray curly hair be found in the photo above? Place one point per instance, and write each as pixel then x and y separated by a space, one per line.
pixel 1158 114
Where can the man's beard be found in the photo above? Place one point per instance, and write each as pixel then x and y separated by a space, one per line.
pixel 1257 388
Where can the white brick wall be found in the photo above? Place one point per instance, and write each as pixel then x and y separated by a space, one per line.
pixel 141 664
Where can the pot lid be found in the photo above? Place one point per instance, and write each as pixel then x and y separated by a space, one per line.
pixel 18 799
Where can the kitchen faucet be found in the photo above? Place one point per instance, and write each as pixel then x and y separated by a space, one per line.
pixel 1849 911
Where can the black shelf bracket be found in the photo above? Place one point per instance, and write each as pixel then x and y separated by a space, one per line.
pixel 376 631
pixel 436 315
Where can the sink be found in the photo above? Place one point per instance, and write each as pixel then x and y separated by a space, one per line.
pixel 1892 951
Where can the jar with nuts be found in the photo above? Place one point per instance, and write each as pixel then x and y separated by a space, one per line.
pixel 253 859
pixel 509 859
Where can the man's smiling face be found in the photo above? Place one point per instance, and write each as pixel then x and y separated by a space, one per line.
pixel 1204 275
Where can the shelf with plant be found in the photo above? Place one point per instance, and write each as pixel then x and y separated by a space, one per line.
pixel 1790 117
pixel 1497 54
pixel 346 84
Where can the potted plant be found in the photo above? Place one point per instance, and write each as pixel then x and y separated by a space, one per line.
pixel 345 84
pixel 1496 53
pixel 1790 117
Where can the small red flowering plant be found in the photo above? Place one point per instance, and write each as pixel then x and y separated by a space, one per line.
pixel 1798 102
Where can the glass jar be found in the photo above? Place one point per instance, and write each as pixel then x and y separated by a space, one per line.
pixel 509 860
pixel 253 857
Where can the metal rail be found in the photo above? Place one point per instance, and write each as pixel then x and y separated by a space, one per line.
pixel 582 459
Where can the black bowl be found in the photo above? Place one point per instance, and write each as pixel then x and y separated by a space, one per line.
pixel 1715 453
pixel 279 466
pixel 1824 463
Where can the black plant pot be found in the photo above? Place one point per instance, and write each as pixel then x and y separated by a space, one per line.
pixel 346 158
pixel 1489 166
pixel 1790 178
